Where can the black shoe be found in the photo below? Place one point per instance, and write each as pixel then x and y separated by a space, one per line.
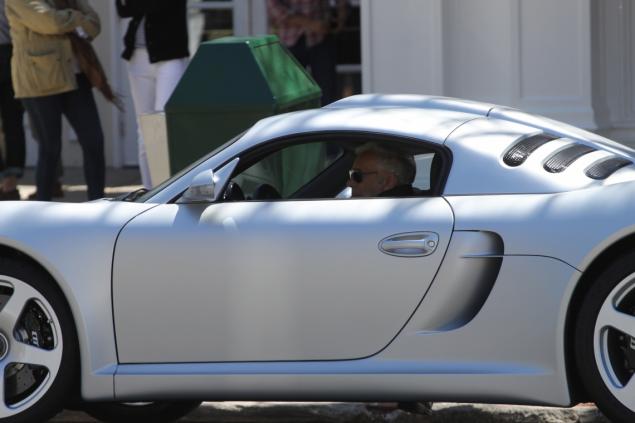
pixel 13 195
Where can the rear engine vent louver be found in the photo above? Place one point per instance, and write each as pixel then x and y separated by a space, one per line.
pixel 605 168
pixel 563 158
pixel 521 150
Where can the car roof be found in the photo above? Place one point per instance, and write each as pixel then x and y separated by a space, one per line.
pixel 427 118
pixel 430 118
pixel 478 134
pixel 426 102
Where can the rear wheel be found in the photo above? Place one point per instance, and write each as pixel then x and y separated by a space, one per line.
pixel 156 412
pixel 605 340
pixel 38 356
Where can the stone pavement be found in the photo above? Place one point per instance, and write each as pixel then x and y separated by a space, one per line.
pixel 120 181
pixel 284 412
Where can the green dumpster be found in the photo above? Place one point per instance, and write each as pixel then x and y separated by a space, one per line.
pixel 230 84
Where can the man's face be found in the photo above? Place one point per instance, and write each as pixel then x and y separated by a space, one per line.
pixel 374 179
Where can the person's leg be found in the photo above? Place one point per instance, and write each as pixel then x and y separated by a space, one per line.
pixel 11 113
pixel 143 88
pixel 46 118
pixel 323 61
pixel 81 111
pixel 168 75
pixel 3 165
pixel 5 59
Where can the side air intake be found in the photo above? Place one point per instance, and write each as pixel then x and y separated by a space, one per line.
pixel 563 158
pixel 605 168
pixel 521 150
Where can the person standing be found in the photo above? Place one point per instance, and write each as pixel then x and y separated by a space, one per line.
pixel 51 69
pixel 305 27
pixel 156 48
pixel 12 114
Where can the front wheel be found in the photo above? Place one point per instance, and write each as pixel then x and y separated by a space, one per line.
pixel 605 340
pixel 38 345
pixel 133 412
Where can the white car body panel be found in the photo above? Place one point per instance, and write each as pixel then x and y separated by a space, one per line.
pixel 436 125
pixel 478 148
pixel 413 101
pixel 259 281
pixel 559 128
pixel 229 301
pixel 562 226
pixel 75 244
pixel 418 364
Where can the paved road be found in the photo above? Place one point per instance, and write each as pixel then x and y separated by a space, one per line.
pixel 258 412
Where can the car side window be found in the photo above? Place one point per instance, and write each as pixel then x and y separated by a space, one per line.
pixel 345 166
pixel 423 176
pixel 281 174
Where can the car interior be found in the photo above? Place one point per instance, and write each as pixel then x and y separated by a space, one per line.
pixel 318 169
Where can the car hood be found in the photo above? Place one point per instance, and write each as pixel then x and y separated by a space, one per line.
pixel 46 230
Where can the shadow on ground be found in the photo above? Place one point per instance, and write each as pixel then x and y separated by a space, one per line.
pixel 272 412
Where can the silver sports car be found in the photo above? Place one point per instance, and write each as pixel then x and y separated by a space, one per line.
pixel 505 273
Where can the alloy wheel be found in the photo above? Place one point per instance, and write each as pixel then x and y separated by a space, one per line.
pixel 30 346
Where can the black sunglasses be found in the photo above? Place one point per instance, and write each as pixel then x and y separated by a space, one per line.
pixel 357 175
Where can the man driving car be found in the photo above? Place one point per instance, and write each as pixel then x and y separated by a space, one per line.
pixel 380 172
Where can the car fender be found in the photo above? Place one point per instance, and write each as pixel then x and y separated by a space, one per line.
pixel 74 243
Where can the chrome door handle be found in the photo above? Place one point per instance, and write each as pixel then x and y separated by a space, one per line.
pixel 413 244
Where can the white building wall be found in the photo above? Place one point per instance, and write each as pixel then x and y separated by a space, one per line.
pixel 479 53
pixel 120 127
pixel 402 49
pixel 531 54
pixel 613 68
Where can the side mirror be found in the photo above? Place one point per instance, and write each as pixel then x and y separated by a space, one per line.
pixel 205 186
pixel 201 190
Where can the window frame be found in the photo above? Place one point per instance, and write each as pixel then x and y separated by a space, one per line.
pixel 252 155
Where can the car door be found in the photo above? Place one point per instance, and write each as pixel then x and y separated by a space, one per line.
pixel 274 280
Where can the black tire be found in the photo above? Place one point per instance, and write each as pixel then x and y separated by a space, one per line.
pixel 156 412
pixel 53 392
pixel 612 283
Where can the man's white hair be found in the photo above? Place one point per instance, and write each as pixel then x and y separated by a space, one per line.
pixel 401 164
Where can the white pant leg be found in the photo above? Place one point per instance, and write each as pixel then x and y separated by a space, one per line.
pixel 143 83
pixel 168 74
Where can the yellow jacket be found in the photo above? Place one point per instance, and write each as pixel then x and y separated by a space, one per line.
pixel 42 62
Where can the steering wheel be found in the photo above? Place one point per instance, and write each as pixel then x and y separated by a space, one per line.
pixel 233 192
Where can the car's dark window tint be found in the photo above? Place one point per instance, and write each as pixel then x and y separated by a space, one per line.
pixel 317 166
pixel 281 174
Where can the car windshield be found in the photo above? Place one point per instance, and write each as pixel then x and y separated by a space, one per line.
pixel 141 196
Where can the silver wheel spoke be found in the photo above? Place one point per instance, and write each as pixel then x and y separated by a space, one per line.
pixel 20 351
pixel 609 316
pixel 11 311
pixel 28 354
